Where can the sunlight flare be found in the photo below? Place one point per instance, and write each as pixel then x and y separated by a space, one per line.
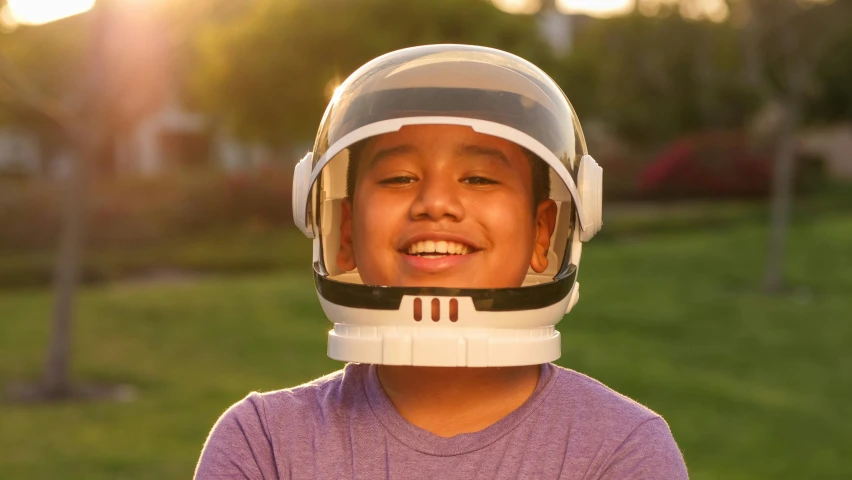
pixel 600 8
pixel 37 12
pixel 518 6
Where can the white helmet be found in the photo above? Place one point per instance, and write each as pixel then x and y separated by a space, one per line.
pixel 494 93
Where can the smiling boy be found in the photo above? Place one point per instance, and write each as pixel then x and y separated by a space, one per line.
pixel 448 195
pixel 427 184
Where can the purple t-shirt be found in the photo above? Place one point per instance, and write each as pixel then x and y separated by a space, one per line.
pixel 344 426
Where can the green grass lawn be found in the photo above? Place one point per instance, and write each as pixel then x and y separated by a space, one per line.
pixel 754 387
pixel 223 251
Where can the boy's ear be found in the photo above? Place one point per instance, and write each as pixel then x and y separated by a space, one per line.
pixel 545 223
pixel 346 255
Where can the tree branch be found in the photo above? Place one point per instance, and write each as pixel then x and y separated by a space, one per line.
pixel 15 88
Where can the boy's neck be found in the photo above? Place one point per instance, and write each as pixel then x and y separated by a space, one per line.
pixel 449 401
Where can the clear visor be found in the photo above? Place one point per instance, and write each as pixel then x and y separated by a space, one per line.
pixel 491 91
pixel 452 81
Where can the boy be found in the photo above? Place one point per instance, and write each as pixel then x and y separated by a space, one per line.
pixel 448 195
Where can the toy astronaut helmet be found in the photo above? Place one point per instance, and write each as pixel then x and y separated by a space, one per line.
pixel 494 93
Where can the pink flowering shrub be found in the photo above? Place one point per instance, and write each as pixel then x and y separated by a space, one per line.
pixel 714 164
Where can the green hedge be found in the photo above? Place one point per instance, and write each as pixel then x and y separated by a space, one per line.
pixel 129 212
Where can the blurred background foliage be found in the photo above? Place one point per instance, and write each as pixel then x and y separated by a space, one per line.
pixel 262 71
pixel 199 286
pixel 279 93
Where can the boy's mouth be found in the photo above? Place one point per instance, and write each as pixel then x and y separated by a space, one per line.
pixel 434 253
pixel 438 248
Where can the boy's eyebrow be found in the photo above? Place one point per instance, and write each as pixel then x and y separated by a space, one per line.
pixel 389 152
pixel 479 150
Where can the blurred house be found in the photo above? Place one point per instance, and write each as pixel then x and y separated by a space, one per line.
pixel 152 129
pixel 833 145
pixel 149 129
pixel 168 137
pixel 559 29
pixel 172 136
pixel 20 152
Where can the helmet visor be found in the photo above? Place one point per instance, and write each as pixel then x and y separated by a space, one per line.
pixel 456 81
pixel 493 92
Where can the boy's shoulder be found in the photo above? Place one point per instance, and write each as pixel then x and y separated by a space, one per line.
pixel 637 441
pixel 263 427
pixel 328 395
pixel 592 401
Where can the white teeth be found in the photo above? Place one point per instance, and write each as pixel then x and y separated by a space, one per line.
pixel 438 248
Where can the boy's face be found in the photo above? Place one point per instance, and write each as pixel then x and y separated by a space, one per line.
pixel 444 206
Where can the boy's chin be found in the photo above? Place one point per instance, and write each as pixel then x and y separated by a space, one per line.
pixel 459 276
pixel 461 280
pixel 443 283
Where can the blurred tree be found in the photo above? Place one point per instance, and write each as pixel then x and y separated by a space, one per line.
pixel 833 100
pixel 73 102
pixel 658 76
pixel 272 71
pixel 653 78
pixel 183 21
pixel 783 42
pixel 77 81
pixel 149 53
pixel 46 60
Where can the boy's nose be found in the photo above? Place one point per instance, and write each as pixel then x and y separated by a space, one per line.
pixel 437 199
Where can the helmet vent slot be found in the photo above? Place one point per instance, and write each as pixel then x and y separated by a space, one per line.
pixel 454 310
pixel 436 309
pixel 418 309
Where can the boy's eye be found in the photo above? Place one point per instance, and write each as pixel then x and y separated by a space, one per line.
pixel 401 180
pixel 478 181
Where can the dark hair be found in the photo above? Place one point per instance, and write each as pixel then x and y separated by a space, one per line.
pixel 540 173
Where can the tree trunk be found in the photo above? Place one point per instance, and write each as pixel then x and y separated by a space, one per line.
pixel 57 372
pixel 86 137
pixel 782 198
